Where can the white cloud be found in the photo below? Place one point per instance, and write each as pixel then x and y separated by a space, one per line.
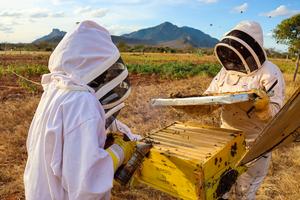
pixel 241 8
pixel 99 12
pixel 269 34
pixel 208 1
pixel 146 2
pixel 131 2
pixel 10 22
pixel 60 2
pixel 57 14
pixel 282 10
pixel 30 20
pixel 10 13
pixel 30 13
pixel 87 10
pixel 38 13
pixel 82 10
pixel 134 1
pixel 123 2
pixel 6 26
pixel 120 29
pixel 6 29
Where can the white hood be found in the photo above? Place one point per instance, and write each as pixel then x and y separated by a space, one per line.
pixel 244 43
pixel 253 29
pixel 82 55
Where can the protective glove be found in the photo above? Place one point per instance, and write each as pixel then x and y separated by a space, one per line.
pixel 262 101
pixel 121 151
pixel 261 105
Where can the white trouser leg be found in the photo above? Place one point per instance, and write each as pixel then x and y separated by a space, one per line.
pixel 249 182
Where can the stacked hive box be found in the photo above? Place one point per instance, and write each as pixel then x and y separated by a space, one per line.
pixel 188 160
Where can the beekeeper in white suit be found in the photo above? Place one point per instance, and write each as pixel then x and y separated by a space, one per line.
pixel 66 155
pixel 246 67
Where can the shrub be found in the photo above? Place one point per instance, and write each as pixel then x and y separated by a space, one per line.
pixel 175 70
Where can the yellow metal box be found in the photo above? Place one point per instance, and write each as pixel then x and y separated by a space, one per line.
pixel 191 161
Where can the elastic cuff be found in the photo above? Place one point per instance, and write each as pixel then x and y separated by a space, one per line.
pixel 117 155
pixel 114 158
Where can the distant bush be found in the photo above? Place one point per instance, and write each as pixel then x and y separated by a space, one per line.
pixel 43 46
pixel 204 51
pixel 273 53
pixel 175 70
pixel 27 85
pixel 28 70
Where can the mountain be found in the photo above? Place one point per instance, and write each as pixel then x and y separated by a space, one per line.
pixel 168 32
pixel 54 37
pixel 165 34
pixel 130 41
pixel 183 43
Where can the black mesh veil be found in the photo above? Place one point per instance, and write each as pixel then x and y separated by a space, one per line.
pixel 112 87
pixel 238 51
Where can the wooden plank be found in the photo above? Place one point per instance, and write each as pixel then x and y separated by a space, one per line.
pixel 282 126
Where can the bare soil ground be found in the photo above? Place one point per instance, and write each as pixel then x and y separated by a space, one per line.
pixel 17 107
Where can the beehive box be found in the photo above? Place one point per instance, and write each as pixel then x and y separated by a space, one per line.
pixel 188 160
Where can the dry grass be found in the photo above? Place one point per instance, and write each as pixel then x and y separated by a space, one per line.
pixel 15 119
pixel 16 114
pixel 159 58
pixel 282 182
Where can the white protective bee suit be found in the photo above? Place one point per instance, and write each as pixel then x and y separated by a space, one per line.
pixel 66 159
pixel 259 73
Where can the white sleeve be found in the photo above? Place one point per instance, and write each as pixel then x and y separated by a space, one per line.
pixel 277 99
pixel 214 85
pixel 87 169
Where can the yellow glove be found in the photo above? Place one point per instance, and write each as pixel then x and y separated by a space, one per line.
pixel 264 115
pixel 121 151
pixel 261 103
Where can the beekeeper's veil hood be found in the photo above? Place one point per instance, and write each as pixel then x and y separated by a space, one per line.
pixel 88 57
pixel 241 50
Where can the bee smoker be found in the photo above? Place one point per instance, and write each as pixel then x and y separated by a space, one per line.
pixel 125 172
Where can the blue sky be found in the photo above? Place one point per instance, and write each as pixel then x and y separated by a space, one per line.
pixel 30 19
